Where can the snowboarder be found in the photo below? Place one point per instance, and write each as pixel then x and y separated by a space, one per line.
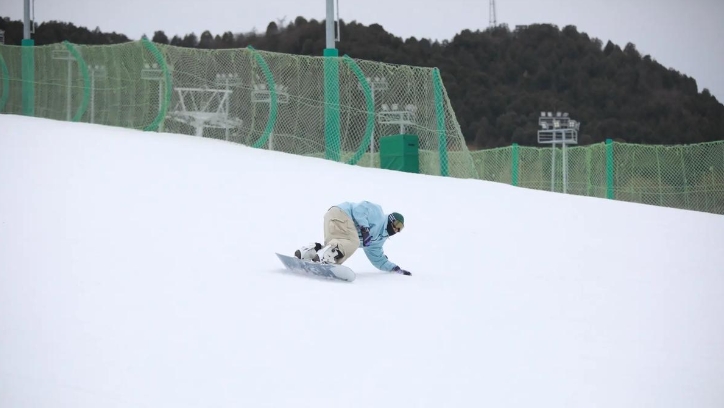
pixel 349 226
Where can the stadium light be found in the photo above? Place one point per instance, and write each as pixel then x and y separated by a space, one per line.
pixel 559 129
pixel 394 115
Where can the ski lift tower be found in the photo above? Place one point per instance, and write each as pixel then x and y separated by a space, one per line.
pixel 206 107
pixel 554 130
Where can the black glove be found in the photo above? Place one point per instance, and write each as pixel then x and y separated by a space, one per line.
pixel 397 269
pixel 366 238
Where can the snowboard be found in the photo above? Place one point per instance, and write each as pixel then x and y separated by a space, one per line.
pixel 330 271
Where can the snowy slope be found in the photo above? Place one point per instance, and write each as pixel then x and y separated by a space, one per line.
pixel 138 270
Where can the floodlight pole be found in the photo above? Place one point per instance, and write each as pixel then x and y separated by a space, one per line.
pixel 551 127
pixel 227 81
pixel 96 72
pixel 64 55
pixel 260 94
pixel 377 85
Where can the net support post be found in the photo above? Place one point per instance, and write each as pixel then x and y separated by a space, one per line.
pixel 332 137
pixel 273 101
pixel 440 116
pixel 609 169
pixel 5 74
pixel 368 91
pixel 514 164
pixel 157 124
pixel 28 76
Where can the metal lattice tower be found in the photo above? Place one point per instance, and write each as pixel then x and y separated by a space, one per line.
pixel 491 12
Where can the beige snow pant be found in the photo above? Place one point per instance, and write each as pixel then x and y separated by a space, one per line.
pixel 339 230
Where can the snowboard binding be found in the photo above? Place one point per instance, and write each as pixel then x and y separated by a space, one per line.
pixel 309 252
pixel 314 252
pixel 331 254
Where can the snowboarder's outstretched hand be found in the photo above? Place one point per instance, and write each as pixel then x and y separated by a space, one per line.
pixel 366 238
pixel 397 269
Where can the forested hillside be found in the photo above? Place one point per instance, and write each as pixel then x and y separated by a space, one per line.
pixel 499 80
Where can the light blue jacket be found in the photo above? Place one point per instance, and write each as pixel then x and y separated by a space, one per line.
pixel 367 214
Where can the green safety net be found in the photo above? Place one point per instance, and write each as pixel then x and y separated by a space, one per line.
pixel 277 101
pixel 262 99
pixel 687 177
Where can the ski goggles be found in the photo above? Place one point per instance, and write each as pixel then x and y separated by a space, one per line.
pixel 397 225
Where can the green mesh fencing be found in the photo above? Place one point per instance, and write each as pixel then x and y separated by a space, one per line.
pixel 266 100
pixel 277 101
pixel 687 177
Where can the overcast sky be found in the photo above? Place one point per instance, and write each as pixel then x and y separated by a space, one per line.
pixel 684 35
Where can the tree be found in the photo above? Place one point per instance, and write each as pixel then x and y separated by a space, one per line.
pixel 207 40
pixel 160 37
pixel 190 41
pixel 272 29
pixel 227 40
